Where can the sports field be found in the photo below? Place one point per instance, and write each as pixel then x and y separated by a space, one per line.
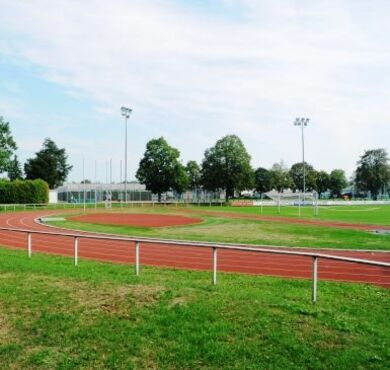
pixel 97 315
pixel 335 227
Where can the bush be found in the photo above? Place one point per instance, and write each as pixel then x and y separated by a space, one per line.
pixel 23 191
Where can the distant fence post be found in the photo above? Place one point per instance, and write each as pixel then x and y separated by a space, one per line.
pixel 29 245
pixel 214 265
pixel 314 280
pixel 76 250
pixel 137 258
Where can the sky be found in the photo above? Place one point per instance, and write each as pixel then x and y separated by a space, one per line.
pixel 194 71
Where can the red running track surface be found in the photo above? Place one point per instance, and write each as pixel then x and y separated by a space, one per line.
pixel 195 258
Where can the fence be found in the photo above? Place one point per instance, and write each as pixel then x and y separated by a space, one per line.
pixel 213 247
pixel 28 207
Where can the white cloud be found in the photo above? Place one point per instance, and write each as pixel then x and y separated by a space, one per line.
pixel 194 76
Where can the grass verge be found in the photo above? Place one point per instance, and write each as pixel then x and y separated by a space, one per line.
pixel 98 315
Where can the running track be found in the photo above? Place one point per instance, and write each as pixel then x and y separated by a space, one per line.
pixel 194 258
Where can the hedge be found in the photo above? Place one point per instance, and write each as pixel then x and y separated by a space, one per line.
pixel 23 191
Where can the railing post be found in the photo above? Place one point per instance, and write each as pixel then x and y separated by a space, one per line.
pixel 76 250
pixel 137 258
pixel 314 280
pixel 214 279
pixel 29 245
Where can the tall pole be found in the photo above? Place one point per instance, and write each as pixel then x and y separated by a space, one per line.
pixel 126 113
pixel 106 200
pixel 303 122
pixel 84 183
pixel 110 181
pixel 304 164
pixel 95 184
pixel 120 172
pixel 126 159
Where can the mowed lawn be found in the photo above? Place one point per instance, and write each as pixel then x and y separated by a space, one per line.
pixel 218 228
pixel 100 316
pixel 370 214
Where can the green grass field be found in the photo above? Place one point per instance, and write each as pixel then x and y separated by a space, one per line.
pixel 376 215
pixel 223 229
pixel 101 316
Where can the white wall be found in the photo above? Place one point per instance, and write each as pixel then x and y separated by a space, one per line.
pixel 53 196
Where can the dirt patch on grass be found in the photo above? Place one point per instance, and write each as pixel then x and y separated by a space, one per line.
pixel 110 298
pixel 138 220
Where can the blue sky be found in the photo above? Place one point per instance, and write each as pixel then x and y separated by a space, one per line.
pixel 194 71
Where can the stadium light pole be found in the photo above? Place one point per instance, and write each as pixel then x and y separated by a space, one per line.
pixel 303 122
pixel 126 113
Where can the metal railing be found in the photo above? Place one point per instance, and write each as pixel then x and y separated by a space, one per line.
pixel 213 246
pixel 102 204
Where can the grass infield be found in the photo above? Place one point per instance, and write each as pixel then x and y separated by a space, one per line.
pixel 371 214
pixel 219 228
pixel 100 316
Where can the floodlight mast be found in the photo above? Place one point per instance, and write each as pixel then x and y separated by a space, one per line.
pixel 126 113
pixel 303 122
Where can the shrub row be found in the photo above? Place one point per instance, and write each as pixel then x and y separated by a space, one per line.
pixel 23 191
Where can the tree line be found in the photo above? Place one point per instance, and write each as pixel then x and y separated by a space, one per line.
pixel 49 163
pixel 226 167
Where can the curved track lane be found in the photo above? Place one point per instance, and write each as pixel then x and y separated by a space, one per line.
pixel 194 258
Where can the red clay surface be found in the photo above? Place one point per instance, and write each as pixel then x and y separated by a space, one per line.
pixel 140 220
pixel 194 258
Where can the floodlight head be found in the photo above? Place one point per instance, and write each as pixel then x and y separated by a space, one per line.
pixel 126 112
pixel 301 121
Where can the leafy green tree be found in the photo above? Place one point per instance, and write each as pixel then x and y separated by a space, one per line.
pixel 226 166
pixel 296 174
pixel 263 180
pixel 322 182
pixel 373 171
pixel 15 169
pixel 160 169
pixel 7 145
pixel 50 164
pixel 280 177
pixel 194 175
pixel 337 182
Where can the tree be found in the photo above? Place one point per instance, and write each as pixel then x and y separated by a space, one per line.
pixel 322 182
pixel 7 145
pixel 194 175
pixel 50 164
pixel 227 166
pixel 337 182
pixel 280 177
pixel 373 171
pixel 262 180
pixel 160 170
pixel 15 169
pixel 296 174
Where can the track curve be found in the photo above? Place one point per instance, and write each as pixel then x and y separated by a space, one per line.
pixel 194 258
